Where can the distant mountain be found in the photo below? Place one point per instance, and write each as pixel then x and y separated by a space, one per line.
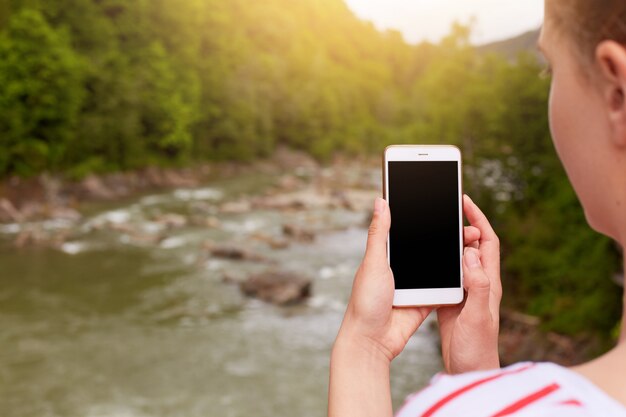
pixel 512 47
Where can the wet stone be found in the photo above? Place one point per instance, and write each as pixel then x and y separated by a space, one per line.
pixel 210 222
pixel 63 213
pixel 234 252
pixel 277 287
pixel 298 233
pixel 94 187
pixel 8 212
pixel 272 241
pixel 236 207
pixel 171 220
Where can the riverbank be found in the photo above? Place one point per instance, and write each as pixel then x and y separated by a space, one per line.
pixel 522 339
pixel 45 211
pixel 51 196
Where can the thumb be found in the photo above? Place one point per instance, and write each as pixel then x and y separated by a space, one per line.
pixel 376 250
pixel 477 283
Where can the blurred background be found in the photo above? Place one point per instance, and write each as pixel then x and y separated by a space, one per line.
pixel 185 187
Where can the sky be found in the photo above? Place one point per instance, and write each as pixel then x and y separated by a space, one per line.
pixel 420 20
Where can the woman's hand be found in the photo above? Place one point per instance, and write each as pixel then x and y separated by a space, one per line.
pixel 469 331
pixel 370 317
pixel 372 332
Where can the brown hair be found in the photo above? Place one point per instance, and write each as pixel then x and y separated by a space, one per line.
pixel 588 22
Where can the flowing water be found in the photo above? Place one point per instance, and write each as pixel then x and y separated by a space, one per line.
pixel 117 322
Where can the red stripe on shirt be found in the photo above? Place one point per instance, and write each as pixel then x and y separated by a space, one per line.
pixel 468 387
pixel 571 401
pixel 527 400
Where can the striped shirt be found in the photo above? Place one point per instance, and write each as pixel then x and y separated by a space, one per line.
pixel 522 390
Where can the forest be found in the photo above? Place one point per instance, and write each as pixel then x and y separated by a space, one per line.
pixel 95 86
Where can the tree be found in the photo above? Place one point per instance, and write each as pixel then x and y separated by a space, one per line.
pixel 40 96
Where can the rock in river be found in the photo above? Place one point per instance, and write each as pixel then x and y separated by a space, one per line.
pixel 231 251
pixel 171 220
pixel 8 212
pixel 277 287
pixel 298 233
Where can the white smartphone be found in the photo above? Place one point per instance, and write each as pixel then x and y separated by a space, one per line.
pixel 422 184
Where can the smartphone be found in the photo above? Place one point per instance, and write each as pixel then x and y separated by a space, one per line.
pixel 422 184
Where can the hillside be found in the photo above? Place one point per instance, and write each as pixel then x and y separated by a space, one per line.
pixel 511 47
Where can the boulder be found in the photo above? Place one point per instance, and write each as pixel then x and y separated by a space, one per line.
pixel 271 241
pixel 178 179
pixel 229 251
pixel 93 187
pixel 37 236
pixel 32 210
pixel 8 212
pixel 171 220
pixel 277 287
pixel 236 207
pixel 294 160
pixel 153 177
pixel 284 202
pixel 213 222
pixel 289 182
pixel 210 222
pixel 63 213
pixel 298 233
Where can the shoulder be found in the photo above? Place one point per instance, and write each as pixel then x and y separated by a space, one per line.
pixel 526 388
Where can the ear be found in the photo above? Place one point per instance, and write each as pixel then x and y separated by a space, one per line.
pixel 611 58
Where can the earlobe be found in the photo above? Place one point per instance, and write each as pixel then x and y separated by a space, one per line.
pixel 611 59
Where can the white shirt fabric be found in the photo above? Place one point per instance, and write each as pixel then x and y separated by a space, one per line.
pixel 522 390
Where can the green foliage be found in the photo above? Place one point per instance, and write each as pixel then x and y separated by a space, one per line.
pixel 93 86
pixel 559 267
pixel 40 96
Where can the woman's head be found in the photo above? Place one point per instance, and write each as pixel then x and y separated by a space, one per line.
pixel 586 23
pixel 585 43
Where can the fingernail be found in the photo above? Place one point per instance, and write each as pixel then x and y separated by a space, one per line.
pixel 471 258
pixel 379 205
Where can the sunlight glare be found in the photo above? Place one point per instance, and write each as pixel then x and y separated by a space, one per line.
pixel 420 20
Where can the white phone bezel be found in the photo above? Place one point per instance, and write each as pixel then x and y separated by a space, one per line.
pixel 426 296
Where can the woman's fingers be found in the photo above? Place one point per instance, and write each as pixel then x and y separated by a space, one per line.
pixel 372 289
pixel 489 245
pixel 489 242
pixel 478 286
pixel 478 313
pixel 471 235
pixel 376 250
pixel 476 218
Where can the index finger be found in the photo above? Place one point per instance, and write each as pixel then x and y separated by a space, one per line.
pixel 489 242
pixel 471 236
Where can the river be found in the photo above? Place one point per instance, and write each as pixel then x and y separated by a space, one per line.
pixel 117 322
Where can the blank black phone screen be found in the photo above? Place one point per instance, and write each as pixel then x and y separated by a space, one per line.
pixel 424 247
